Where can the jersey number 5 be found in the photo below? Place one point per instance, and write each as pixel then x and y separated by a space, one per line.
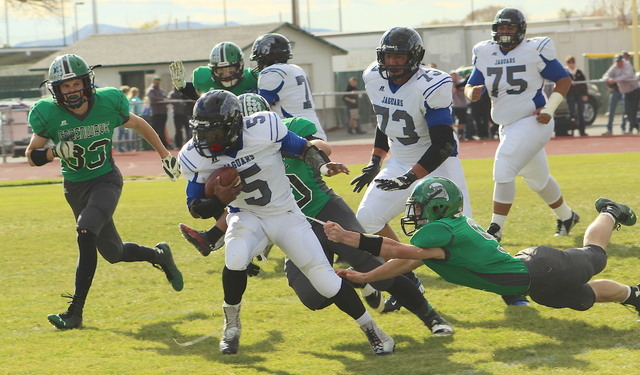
pixel 518 84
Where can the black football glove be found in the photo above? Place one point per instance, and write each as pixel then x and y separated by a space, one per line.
pixel 398 183
pixel 368 174
pixel 253 269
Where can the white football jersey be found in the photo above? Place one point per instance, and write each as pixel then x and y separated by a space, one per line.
pixel 288 85
pixel 266 190
pixel 513 79
pixel 401 114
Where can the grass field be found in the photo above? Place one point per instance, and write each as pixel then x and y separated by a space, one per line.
pixel 132 314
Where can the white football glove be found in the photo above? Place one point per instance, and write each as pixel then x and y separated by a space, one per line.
pixel 63 150
pixel 177 74
pixel 171 167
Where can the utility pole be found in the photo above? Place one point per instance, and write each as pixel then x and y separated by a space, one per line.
pixel 6 20
pixel 294 16
pixel 64 28
pixel 76 35
pixel 95 16
pixel 634 30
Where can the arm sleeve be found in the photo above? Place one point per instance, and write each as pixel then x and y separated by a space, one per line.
pixel 293 144
pixel 476 78
pixel 190 91
pixel 381 140
pixel 442 146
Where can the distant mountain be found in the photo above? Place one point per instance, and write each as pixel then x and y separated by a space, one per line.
pixel 87 30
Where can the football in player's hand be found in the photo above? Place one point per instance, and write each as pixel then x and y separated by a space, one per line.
pixel 227 176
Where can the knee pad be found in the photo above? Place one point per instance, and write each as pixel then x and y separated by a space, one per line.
pixel 504 192
pixel 550 192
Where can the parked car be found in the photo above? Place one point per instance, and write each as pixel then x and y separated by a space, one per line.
pixel 591 106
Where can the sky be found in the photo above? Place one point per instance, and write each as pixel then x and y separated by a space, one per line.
pixel 18 26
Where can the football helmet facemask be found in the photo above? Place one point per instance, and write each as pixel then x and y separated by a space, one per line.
pixel 251 103
pixel 227 64
pixel 400 40
pixel 65 68
pixel 216 123
pixel 511 17
pixel 432 199
pixel 270 49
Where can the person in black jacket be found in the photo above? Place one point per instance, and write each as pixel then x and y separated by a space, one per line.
pixel 577 95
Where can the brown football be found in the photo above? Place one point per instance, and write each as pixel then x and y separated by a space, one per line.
pixel 226 174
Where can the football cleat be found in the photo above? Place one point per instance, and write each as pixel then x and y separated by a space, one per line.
pixel 168 266
pixel 374 300
pixel 199 240
pixel 439 326
pixel 391 304
pixel 495 231
pixel 70 319
pixel 515 300
pixel 564 227
pixel 380 342
pixel 230 341
pixel 622 213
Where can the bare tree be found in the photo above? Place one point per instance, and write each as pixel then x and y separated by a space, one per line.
pixel 486 14
pixel 41 7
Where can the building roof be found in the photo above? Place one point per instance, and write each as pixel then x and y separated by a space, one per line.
pixel 162 47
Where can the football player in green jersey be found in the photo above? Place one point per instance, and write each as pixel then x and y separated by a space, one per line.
pixel 225 72
pixel 317 200
pixel 80 121
pixel 463 253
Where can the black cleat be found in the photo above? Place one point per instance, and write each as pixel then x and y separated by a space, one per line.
pixel 622 213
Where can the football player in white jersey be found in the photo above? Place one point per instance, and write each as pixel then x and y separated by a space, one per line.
pixel 285 86
pixel 265 210
pixel 413 107
pixel 513 70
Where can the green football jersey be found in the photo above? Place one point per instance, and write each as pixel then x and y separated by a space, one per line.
pixel 91 134
pixel 474 258
pixel 310 191
pixel 203 81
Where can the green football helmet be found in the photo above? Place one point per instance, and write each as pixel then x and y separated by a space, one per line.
pixel 65 68
pixel 432 199
pixel 227 55
pixel 251 103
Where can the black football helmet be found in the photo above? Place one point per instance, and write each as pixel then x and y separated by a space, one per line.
pixel 270 49
pixel 65 68
pixel 216 123
pixel 400 40
pixel 512 17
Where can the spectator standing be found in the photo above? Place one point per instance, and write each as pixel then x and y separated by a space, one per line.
pixel 481 116
pixel 135 107
pixel 122 134
pixel 181 117
pixel 135 103
pixel 460 106
pixel 157 98
pixel 351 102
pixel 622 74
pixel 615 97
pixel 577 95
